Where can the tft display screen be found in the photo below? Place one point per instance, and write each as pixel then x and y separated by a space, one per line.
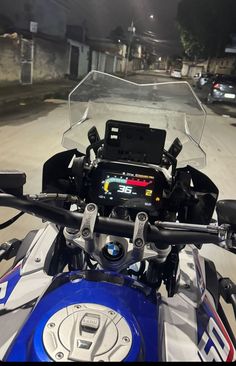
pixel 118 187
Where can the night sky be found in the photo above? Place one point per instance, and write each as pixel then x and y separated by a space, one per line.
pixel 104 15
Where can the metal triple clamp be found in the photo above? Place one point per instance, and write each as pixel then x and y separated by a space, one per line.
pixel 140 233
pixel 88 223
pixel 83 237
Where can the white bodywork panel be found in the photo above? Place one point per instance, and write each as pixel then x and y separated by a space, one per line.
pixel 177 315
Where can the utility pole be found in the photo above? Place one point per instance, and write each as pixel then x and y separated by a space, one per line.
pixel 132 31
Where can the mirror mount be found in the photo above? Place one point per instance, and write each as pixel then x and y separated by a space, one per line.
pixel 12 182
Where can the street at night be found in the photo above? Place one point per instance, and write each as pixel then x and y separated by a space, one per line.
pixel 23 149
pixel 103 291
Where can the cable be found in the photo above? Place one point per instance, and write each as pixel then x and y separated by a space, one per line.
pixel 11 221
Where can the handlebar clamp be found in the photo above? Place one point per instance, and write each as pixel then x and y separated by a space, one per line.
pixel 88 223
pixel 140 230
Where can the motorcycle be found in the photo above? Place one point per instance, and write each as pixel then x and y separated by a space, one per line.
pixel 116 274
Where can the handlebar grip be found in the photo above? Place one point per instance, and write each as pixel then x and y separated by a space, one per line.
pixel 104 225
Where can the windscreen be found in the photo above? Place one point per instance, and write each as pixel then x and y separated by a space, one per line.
pixel 171 106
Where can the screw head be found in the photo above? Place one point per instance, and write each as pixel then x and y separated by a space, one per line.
pixel 91 207
pixel 51 325
pixel 77 306
pixel 37 260
pixel 86 233
pixel 59 355
pixel 126 339
pixel 138 243
pixel 111 312
pixel 142 217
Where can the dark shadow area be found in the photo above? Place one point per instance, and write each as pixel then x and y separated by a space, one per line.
pixel 226 109
pixel 27 112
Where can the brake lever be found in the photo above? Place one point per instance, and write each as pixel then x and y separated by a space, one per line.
pixel 227 238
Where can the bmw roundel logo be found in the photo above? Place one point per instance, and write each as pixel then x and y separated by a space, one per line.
pixel 113 251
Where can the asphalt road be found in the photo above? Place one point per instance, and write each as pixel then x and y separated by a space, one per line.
pixel 32 134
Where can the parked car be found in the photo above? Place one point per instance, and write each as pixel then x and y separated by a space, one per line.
pixel 176 74
pixel 221 89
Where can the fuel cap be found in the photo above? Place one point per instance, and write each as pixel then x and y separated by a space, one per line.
pixel 87 332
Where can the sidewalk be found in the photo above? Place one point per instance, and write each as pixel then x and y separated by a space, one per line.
pixel 11 95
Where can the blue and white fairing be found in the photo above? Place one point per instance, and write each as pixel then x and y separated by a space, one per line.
pixel 90 316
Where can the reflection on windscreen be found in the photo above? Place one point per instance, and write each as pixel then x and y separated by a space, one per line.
pixel 171 106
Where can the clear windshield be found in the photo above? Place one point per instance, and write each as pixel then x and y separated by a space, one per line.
pixel 171 106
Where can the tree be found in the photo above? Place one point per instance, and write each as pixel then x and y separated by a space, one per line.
pixel 5 24
pixel 205 26
pixel 151 59
pixel 118 34
pixel 192 47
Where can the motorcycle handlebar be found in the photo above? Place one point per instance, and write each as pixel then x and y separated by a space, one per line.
pixel 105 225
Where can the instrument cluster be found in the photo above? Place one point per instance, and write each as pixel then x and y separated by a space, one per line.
pixel 114 184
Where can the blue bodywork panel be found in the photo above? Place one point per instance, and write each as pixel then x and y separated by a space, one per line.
pixel 136 302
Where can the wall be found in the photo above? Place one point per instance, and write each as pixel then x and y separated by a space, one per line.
pixel 109 66
pixel 99 61
pixel 9 61
pixel 102 62
pixel 225 65
pixel 107 63
pixel 84 60
pixel 193 70
pixel 95 60
pixel 50 60
pixel 120 66
pixel 185 69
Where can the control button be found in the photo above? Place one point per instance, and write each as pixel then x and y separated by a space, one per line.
pixel 90 323
pixel 83 344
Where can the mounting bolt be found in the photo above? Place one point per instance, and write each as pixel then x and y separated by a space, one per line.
pixel 138 243
pixel 37 260
pixel 111 313
pixel 91 208
pixel 77 306
pixel 126 339
pixel 86 233
pixel 142 217
pixel 72 231
pixel 51 325
pixel 59 355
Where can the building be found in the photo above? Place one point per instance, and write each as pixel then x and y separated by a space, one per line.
pixel 78 51
pixel 50 16
pixel 107 56
pixel 37 44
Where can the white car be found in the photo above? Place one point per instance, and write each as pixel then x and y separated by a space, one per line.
pixel 176 74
